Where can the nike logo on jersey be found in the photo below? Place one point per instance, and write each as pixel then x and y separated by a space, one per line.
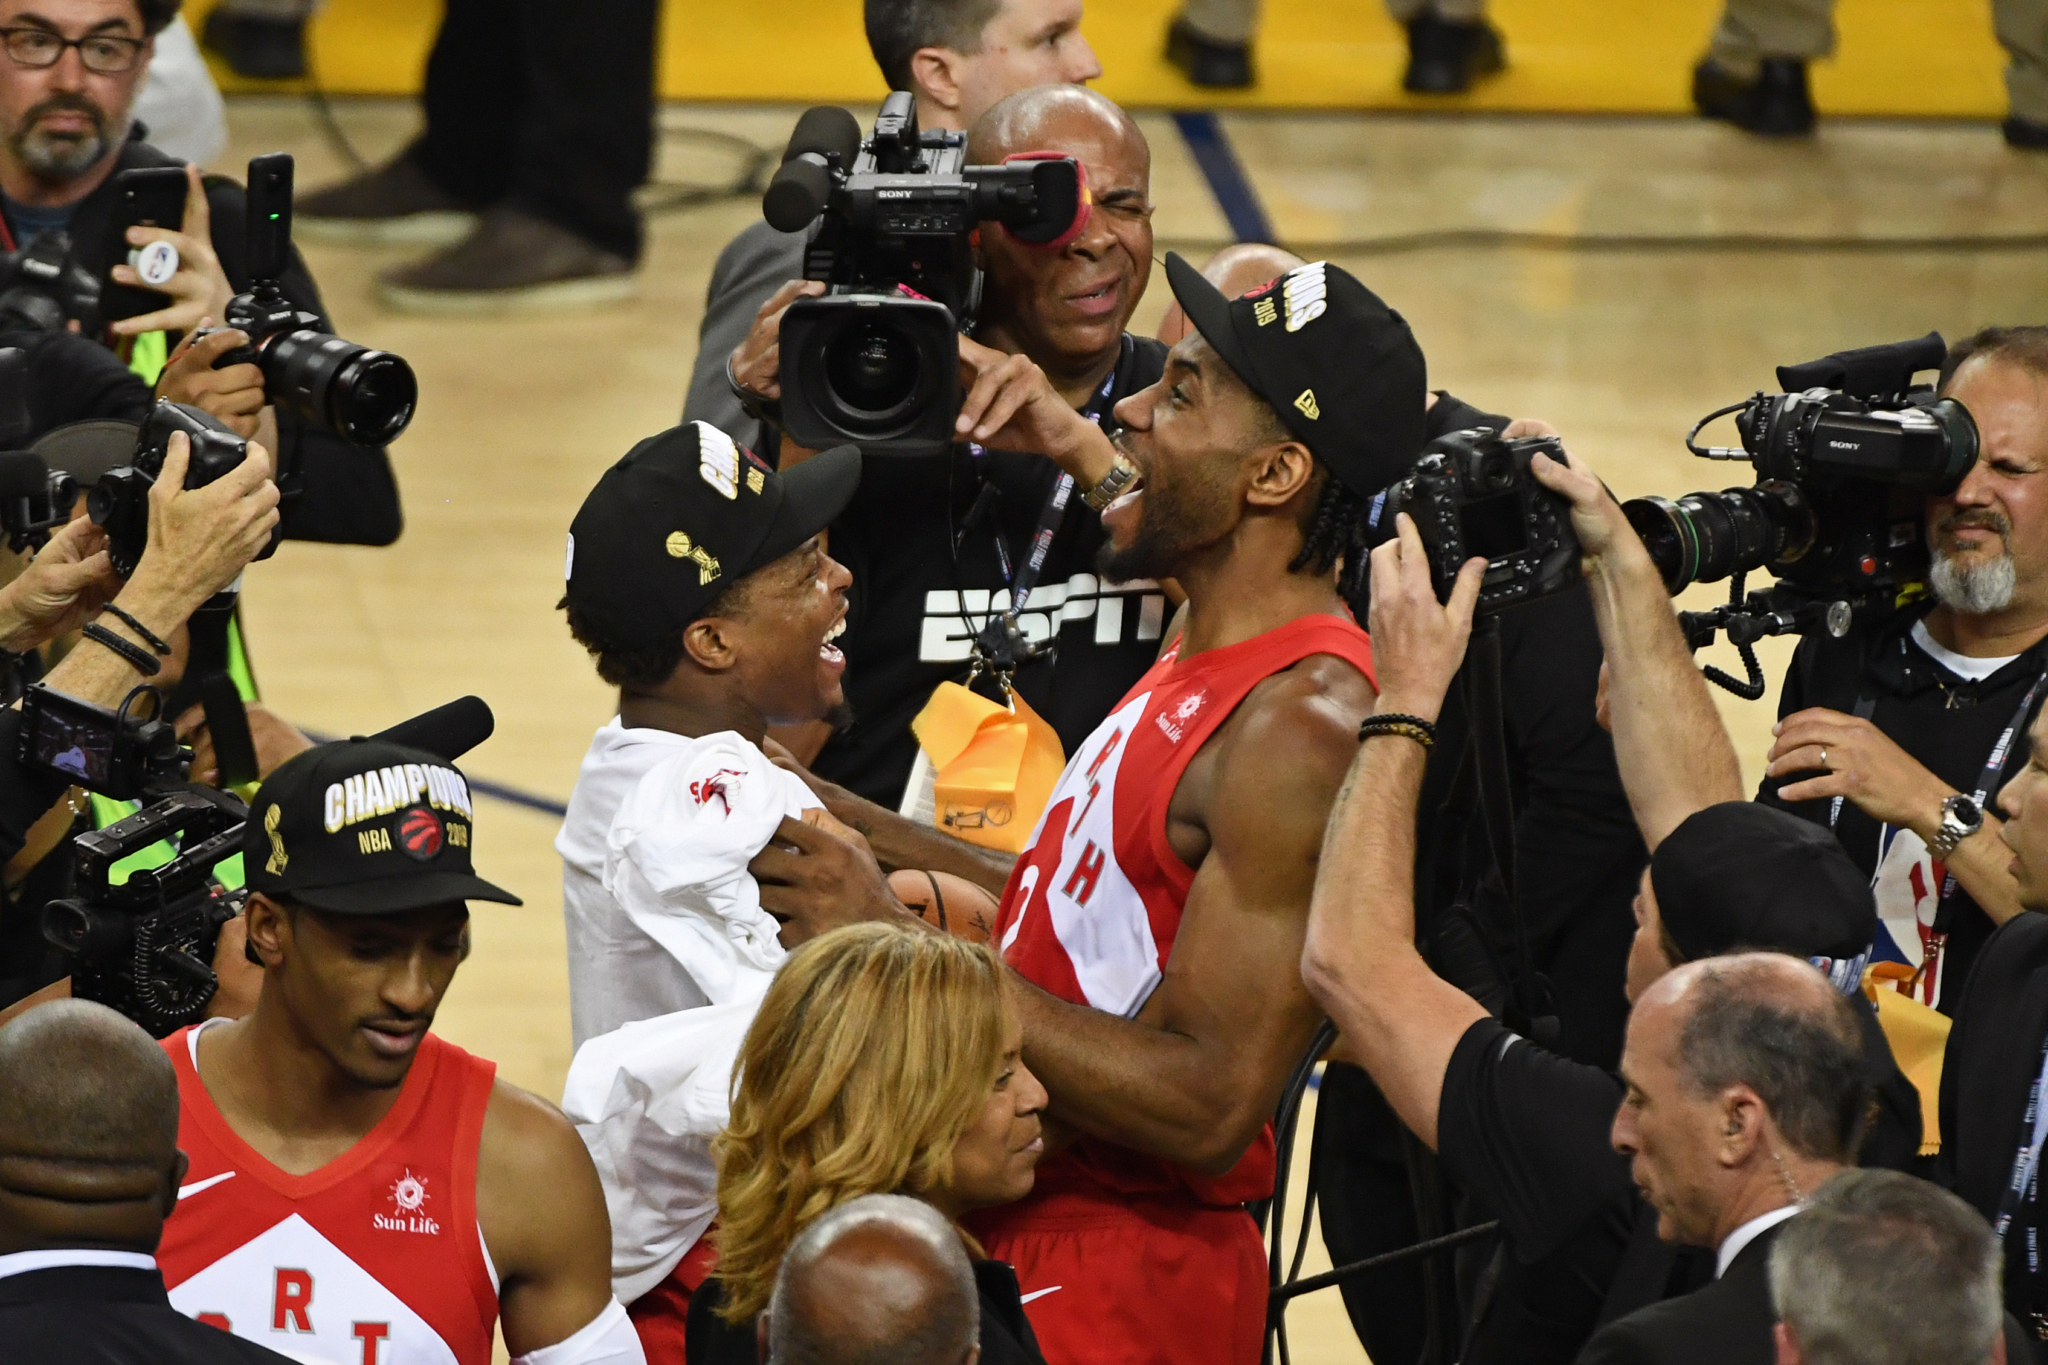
pixel 1039 1293
pixel 1120 612
pixel 187 1191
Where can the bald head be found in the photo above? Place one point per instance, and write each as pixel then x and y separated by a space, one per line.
pixel 88 1130
pixel 1055 118
pixel 1236 268
pixel 1776 1025
pixel 880 1280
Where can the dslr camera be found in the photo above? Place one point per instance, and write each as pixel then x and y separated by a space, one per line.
pixel 140 940
pixel 367 396
pixel 1845 457
pixel 42 287
pixel 119 502
pixel 1472 494
pixel 876 360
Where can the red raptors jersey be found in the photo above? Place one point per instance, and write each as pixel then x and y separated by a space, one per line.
pixel 374 1259
pixel 1093 905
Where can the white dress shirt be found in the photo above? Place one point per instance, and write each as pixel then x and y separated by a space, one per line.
pixel 1734 1242
pixel 22 1262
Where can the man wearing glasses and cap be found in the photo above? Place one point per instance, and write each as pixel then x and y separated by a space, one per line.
pixel 358 1189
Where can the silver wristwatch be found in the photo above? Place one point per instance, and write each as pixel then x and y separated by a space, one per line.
pixel 1960 818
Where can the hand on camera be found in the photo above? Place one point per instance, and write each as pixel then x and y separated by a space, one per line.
pixel 1011 405
pixel 757 362
pixel 1602 528
pixel 199 290
pixel 235 395
pixel 817 875
pixel 1418 643
pixel 201 538
pixel 64 586
pixel 276 739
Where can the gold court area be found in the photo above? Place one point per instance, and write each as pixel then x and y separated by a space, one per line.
pixel 1725 257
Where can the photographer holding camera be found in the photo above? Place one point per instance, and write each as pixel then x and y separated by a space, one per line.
pixel 67 90
pixel 959 58
pixel 1897 734
pixel 1521 1130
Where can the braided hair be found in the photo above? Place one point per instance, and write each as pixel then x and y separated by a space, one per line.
pixel 1333 536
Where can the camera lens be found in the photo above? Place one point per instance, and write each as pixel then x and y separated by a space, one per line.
pixel 1705 537
pixel 368 396
pixel 871 369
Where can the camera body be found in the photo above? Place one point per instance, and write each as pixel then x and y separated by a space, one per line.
pixel 141 940
pixel 876 360
pixel 365 395
pixel 42 288
pixel 1845 459
pixel 1472 493
pixel 119 502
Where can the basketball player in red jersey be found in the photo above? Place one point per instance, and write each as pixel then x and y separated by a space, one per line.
pixel 360 1192
pixel 1155 923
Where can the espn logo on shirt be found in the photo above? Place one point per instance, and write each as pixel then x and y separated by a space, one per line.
pixel 1120 613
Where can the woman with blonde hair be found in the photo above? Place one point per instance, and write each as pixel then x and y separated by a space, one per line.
pixel 884 1060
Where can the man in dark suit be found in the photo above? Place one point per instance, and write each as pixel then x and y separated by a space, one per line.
pixel 1745 1092
pixel 89 1169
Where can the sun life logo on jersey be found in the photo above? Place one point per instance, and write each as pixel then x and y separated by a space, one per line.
pixel 1182 714
pixel 409 1205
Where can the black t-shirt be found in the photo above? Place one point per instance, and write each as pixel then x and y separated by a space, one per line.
pixel 917 603
pixel 1943 721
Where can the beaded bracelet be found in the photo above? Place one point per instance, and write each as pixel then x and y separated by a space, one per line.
pixel 1408 727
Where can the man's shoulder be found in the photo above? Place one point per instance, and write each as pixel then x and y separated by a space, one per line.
pixel 755 253
pixel 2016 949
pixel 1727 1322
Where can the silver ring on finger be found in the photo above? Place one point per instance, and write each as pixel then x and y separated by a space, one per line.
pixel 1823 755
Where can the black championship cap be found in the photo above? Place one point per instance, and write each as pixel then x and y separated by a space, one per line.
pixel 1744 875
pixel 1339 366
pixel 364 827
pixel 685 515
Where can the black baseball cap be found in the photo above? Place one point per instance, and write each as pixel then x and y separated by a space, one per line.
pixel 365 827
pixel 1743 875
pixel 1339 366
pixel 683 516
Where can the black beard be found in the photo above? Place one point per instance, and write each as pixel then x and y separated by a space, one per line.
pixel 840 717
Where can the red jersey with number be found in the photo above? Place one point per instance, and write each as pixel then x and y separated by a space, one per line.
pixel 1093 905
pixel 374 1259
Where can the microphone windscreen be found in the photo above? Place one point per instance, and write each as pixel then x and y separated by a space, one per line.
pixel 448 731
pixel 22 475
pixel 796 194
pixel 827 130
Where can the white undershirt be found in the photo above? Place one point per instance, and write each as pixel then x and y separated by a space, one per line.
pixel 22 1262
pixel 1962 665
pixel 1734 1242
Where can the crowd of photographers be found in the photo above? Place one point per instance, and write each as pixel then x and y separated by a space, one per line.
pixel 1037 745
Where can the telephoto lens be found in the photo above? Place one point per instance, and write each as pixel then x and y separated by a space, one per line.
pixel 368 396
pixel 1706 537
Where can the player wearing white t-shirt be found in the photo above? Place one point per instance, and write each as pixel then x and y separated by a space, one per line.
pixel 698 580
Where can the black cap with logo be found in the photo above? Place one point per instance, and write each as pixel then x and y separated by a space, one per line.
pixel 1339 366
pixel 685 515
pixel 364 827
pixel 1745 875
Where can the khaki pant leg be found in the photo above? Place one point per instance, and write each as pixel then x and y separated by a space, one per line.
pixel 2023 31
pixel 1223 21
pixel 1751 30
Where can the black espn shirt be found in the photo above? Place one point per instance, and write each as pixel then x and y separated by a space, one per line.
pixel 912 613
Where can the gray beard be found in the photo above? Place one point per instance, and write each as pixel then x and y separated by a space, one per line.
pixel 1973 589
pixel 61 158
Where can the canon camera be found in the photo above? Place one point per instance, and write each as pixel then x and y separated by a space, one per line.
pixel 1472 493
pixel 119 502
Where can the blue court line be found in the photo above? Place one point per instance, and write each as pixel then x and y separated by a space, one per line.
pixel 1210 146
pixel 496 791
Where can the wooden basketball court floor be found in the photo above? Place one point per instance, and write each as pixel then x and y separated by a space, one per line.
pixel 1702 287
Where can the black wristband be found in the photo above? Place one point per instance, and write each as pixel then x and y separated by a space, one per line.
pixel 1408 727
pixel 145 662
pixel 149 637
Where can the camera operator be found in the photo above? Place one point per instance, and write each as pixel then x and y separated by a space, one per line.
pixel 1891 735
pixel 67 90
pixel 199 541
pixel 959 58
pixel 1520 1129
pixel 924 533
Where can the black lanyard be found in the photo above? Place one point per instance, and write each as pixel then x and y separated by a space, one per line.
pixel 2022 1184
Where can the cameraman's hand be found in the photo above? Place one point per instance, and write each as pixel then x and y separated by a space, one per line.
pixel 276 739
pixel 201 538
pixel 757 361
pixel 817 875
pixel 1011 405
pixel 199 290
pixel 1602 528
pixel 64 586
pixel 1418 643
pixel 234 395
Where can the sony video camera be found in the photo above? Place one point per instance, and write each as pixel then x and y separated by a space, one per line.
pixel 367 396
pixel 1472 494
pixel 119 502
pixel 1845 459
pixel 876 360
pixel 141 940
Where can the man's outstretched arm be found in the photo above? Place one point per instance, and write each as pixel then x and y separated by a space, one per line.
pixel 1399 1019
